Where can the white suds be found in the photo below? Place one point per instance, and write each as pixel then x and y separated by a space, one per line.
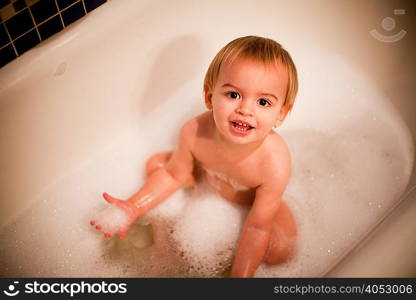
pixel 207 216
pixel 339 154
pixel 111 219
pixel 225 178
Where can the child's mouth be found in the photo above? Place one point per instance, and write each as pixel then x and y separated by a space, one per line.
pixel 241 128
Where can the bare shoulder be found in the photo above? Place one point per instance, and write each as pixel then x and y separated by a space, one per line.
pixel 191 128
pixel 275 163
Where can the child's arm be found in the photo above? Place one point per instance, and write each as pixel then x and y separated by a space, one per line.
pixel 255 236
pixel 160 184
pixel 254 240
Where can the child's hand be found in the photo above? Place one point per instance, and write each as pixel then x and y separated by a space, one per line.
pixel 115 219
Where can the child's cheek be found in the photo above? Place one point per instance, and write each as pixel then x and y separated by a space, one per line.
pixel 221 110
pixel 219 115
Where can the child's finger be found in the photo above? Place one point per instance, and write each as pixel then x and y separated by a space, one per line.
pixel 123 232
pixel 122 235
pixel 108 198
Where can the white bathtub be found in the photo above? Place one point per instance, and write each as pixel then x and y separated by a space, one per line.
pixel 77 93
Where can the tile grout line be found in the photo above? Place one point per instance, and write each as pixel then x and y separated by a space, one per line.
pixel 44 21
pixel 36 26
pixel 11 42
pixel 83 5
pixel 60 15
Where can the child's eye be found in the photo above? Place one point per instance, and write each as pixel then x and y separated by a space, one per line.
pixel 263 102
pixel 233 95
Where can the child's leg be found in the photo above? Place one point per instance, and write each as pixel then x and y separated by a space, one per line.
pixel 159 160
pixel 283 237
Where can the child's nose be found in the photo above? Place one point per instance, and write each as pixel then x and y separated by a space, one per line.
pixel 245 108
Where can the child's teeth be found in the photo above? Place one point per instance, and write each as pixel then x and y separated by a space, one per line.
pixel 241 127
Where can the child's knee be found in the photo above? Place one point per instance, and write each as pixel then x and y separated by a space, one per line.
pixel 281 248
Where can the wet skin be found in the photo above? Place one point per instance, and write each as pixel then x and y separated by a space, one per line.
pixel 234 148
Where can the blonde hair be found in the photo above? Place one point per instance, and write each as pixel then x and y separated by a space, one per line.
pixel 257 48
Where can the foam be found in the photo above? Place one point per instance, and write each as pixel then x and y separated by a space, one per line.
pixel 225 178
pixel 206 216
pixel 351 163
pixel 112 219
pixel 333 200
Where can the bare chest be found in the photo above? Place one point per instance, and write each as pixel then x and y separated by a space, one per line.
pixel 240 175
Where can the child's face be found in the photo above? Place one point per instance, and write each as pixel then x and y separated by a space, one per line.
pixel 251 93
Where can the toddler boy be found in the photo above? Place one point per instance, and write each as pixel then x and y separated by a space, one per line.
pixel 249 88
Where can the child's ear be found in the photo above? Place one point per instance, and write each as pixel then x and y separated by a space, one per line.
pixel 208 97
pixel 282 114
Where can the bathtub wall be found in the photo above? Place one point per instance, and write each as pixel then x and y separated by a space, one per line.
pixel 26 23
pixel 178 47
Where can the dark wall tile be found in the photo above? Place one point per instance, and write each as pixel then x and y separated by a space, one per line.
pixel 65 3
pixel 93 4
pixel 4 38
pixel 19 24
pixel 51 16
pixel 3 3
pixel 50 27
pixel 6 55
pixel 73 13
pixel 19 5
pixel 43 9
pixel 24 43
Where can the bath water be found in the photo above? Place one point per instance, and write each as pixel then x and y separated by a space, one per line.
pixel 351 163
